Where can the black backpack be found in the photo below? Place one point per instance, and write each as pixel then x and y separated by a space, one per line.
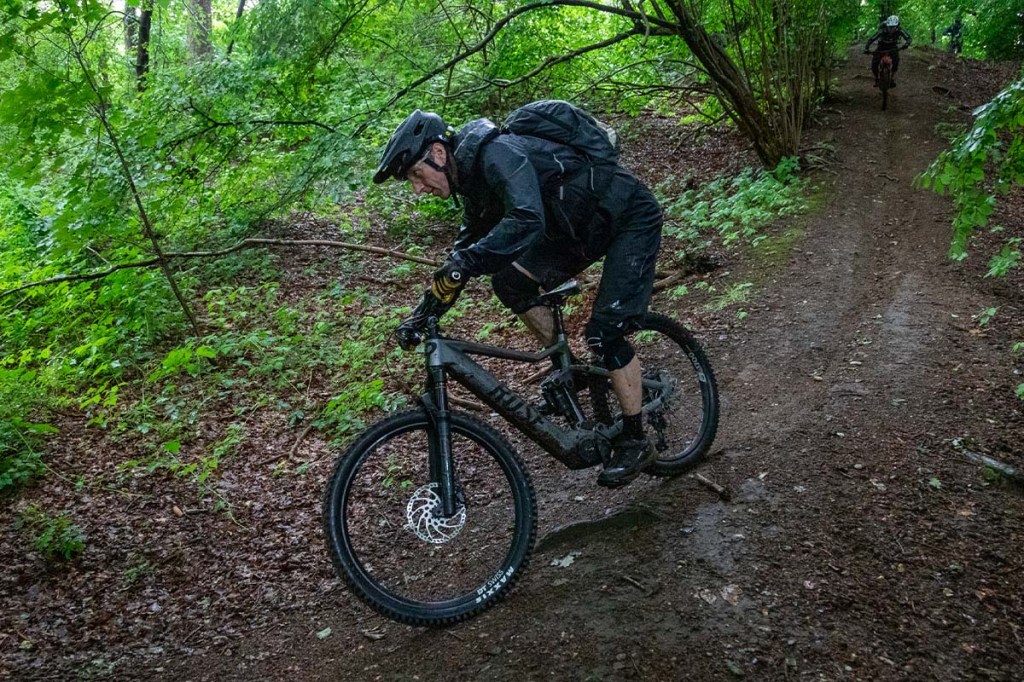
pixel 564 123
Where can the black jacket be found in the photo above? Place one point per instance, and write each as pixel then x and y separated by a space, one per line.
pixel 889 41
pixel 517 188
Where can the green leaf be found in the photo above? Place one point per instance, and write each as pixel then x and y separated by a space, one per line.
pixel 206 352
pixel 935 483
pixel 325 633
pixel 173 446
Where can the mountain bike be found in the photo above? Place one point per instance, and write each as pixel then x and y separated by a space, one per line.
pixel 430 515
pixel 884 75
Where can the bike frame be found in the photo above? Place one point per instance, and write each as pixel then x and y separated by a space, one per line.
pixel 577 448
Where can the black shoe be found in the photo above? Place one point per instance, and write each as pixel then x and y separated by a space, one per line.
pixel 892 84
pixel 630 457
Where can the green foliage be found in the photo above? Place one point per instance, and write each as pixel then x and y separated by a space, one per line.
pixel 735 208
pixel 983 163
pixel 986 316
pixel 55 537
pixel 17 466
pixel 20 440
pixel 991 28
pixel 737 293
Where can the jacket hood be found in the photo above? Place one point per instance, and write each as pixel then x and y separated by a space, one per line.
pixel 468 142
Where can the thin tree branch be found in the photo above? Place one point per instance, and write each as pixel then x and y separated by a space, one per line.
pixel 244 244
pixel 214 123
pixel 147 226
pixel 550 62
pixel 498 26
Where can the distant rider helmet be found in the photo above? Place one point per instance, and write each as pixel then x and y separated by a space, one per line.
pixel 409 143
pixel 893 21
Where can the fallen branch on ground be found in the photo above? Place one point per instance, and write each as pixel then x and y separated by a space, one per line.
pixel 722 491
pixel 1011 472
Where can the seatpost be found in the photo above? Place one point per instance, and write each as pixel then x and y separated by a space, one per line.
pixel 564 359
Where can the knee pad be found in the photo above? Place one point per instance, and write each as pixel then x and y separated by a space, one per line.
pixel 514 289
pixel 609 343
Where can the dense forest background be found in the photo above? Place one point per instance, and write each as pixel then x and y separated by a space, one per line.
pixel 148 145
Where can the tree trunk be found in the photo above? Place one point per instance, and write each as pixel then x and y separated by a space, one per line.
pixel 234 27
pixel 131 28
pixel 199 25
pixel 142 58
pixel 737 96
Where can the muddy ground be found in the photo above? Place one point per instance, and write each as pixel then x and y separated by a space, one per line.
pixel 859 543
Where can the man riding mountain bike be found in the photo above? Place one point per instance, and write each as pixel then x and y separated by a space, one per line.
pixel 538 212
pixel 888 37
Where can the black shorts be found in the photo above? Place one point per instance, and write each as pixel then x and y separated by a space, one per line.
pixel 628 278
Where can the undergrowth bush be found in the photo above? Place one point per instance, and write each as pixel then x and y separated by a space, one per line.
pixel 734 208
pixel 54 536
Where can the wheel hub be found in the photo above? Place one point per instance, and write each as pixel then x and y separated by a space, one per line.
pixel 425 518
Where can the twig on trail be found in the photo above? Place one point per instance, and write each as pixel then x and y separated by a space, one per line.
pixel 299 439
pixel 634 582
pixel 1011 472
pixel 536 376
pixel 468 404
pixel 722 492
pixel 380 282
pixel 669 280
pixel 888 177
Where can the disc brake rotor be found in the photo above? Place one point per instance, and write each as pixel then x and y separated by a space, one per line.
pixel 424 519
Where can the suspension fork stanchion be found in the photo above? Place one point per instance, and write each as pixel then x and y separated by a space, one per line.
pixel 441 470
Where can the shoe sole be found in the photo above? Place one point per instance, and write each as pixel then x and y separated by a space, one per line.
pixel 626 480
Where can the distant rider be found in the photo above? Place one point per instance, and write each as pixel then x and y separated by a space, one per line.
pixel 955 33
pixel 888 37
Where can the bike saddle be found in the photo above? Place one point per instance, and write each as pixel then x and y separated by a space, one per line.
pixel 558 295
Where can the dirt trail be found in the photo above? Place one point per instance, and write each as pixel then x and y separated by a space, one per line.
pixel 858 544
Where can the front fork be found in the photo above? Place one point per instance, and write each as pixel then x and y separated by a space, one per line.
pixel 435 401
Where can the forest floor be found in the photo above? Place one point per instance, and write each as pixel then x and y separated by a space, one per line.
pixel 859 542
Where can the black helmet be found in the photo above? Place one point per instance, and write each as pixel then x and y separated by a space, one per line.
pixel 408 143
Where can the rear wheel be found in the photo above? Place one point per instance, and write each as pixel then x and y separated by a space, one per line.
pixel 683 428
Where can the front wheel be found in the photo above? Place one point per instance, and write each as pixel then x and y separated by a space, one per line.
pixel 683 428
pixel 884 83
pixel 392 544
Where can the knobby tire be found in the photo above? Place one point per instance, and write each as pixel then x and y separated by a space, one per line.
pixel 696 401
pixel 884 83
pixel 389 460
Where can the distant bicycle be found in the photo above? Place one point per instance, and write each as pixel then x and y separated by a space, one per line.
pixel 430 515
pixel 885 82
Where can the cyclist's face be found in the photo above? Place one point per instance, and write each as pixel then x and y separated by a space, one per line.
pixel 427 180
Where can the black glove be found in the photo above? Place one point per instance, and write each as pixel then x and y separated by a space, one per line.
pixel 448 283
pixel 410 332
pixel 408 335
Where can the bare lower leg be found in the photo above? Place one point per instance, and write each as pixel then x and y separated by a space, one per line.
pixel 626 384
pixel 540 321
